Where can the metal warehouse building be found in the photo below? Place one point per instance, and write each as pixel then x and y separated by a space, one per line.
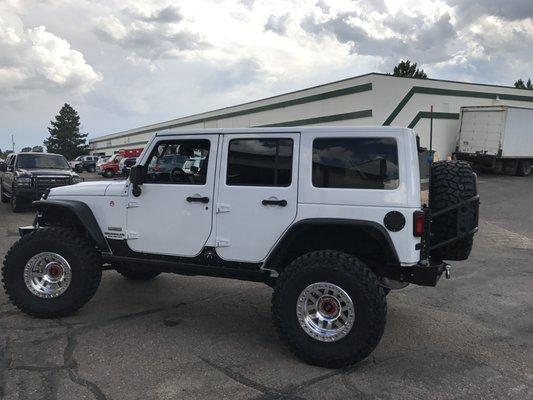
pixel 371 99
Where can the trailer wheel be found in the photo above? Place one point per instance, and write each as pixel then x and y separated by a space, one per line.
pixel 451 182
pixel 524 168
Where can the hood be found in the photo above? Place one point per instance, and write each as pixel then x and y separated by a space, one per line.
pixel 81 189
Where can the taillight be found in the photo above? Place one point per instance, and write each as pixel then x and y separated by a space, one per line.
pixel 419 222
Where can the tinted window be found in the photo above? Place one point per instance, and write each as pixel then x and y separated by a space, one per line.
pixel 259 162
pixel 178 162
pixel 355 163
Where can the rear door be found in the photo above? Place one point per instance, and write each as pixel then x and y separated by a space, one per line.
pixel 257 194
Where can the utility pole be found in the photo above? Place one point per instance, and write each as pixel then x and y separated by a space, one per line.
pixel 13 142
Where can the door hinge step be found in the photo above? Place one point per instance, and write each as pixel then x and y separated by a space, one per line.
pixel 223 208
pixel 220 242
pixel 132 235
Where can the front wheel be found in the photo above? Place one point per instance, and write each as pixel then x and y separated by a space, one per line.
pixel 329 308
pixel 3 196
pixel 108 173
pixel 51 272
pixel 17 205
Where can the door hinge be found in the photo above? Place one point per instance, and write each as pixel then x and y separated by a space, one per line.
pixel 220 242
pixel 132 204
pixel 132 235
pixel 223 208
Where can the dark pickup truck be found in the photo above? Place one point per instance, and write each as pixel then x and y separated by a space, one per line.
pixel 27 176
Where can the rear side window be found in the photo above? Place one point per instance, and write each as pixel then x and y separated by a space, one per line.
pixel 355 163
pixel 259 162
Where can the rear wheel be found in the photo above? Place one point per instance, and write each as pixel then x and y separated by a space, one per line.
pixel 524 168
pixel 451 182
pixel 137 273
pixel 108 173
pixel 329 308
pixel 91 169
pixel 51 272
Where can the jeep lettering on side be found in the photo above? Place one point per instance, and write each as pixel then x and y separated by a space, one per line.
pixel 330 217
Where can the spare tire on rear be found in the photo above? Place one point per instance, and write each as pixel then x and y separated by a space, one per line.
pixel 451 182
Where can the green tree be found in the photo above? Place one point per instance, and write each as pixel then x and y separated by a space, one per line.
pixel 408 70
pixel 65 137
pixel 521 85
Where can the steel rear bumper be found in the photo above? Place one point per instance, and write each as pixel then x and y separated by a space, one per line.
pixel 418 274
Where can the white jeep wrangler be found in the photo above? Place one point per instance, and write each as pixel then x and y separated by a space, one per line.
pixel 330 217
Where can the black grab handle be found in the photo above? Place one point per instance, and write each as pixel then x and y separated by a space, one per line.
pixel 204 200
pixel 281 203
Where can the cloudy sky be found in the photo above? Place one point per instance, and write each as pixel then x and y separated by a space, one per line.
pixel 127 63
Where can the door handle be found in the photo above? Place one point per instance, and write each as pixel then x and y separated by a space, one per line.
pixel 281 203
pixel 204 200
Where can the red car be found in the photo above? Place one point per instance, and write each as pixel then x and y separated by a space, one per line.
pixel 111 167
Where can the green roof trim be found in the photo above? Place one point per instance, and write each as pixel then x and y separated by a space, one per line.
pixel 452 92
pixel 436 115
pixel 326 118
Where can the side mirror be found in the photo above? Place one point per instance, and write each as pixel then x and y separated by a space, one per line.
pixel 137 174
pixel 3 167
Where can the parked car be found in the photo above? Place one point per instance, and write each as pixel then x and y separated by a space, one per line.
pixel 110 167
pixel 125 165
pixel 84 163
pixel 27 176
pixel 331 217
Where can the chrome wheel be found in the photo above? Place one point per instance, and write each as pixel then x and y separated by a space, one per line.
pixel 325 312
pixel 47 275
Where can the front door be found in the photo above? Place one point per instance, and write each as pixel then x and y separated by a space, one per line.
pixel 173 214
pixel 257 195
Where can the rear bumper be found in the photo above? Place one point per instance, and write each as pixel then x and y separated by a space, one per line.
pixel 419 274
pixel 483 160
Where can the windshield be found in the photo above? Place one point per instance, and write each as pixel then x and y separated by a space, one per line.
pixel 41 161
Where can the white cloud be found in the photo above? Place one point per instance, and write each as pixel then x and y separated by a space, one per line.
pixel 35 59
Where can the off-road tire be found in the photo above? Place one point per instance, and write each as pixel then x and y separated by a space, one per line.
pixel 137 273
pixel 85 265
pixel 451 182
pixel 356 279
pixel 108 173
pixel 17 205
pixel 3 196
pixel 524 168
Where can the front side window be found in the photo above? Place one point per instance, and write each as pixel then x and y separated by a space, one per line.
pixel 41 161
pixel 178 162
pixel 355 163
pixel 259 162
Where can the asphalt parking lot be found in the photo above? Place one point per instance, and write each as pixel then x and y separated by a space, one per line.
pixel 208 338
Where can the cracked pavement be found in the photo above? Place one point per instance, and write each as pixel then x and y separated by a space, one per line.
pixel 182 337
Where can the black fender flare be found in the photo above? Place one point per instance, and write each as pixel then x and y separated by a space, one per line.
pixel 379 230
pixel 82 212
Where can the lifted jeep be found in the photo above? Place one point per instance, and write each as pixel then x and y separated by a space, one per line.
pixel 330 217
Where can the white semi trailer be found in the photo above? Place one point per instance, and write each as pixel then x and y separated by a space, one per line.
pixel 497 137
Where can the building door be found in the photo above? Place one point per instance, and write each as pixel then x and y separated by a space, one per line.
pixel 173 214
pixel 257 193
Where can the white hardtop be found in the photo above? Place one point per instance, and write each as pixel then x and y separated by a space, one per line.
pixel 359 130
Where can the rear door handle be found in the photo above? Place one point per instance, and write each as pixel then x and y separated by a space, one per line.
pixel 281 203
pixel 204 200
